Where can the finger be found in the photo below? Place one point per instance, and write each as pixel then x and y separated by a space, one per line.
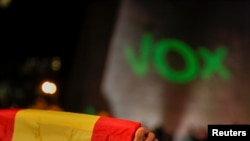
pixel 140 134
pixel 150 137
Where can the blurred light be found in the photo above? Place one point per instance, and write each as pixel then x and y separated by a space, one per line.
pixel 4 3
pixel 90 110
pixel 49 87
pixel 56 64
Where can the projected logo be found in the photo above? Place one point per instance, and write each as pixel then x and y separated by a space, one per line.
pixel 157 52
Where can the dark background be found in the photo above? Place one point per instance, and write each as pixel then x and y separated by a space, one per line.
pixel 76 31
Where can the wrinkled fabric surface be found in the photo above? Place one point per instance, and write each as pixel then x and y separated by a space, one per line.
pixel 44 125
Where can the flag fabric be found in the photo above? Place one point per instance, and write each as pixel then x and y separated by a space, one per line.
pixel 47 125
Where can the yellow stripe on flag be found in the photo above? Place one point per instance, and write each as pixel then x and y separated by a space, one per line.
pixel 41 125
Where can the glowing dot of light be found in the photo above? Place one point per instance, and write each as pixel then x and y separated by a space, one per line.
pixel 49 87
pixel 56 64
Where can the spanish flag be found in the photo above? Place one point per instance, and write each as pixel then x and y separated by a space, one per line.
pixel 46 125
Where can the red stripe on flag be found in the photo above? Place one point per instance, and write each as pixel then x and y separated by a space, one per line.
pixel 7 121
pixel 111 129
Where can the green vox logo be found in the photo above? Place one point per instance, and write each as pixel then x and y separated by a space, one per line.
pixel 139 63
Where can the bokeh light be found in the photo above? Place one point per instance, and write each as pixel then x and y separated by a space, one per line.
pixel 4 3
pixel 49 87
pixel 56 64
